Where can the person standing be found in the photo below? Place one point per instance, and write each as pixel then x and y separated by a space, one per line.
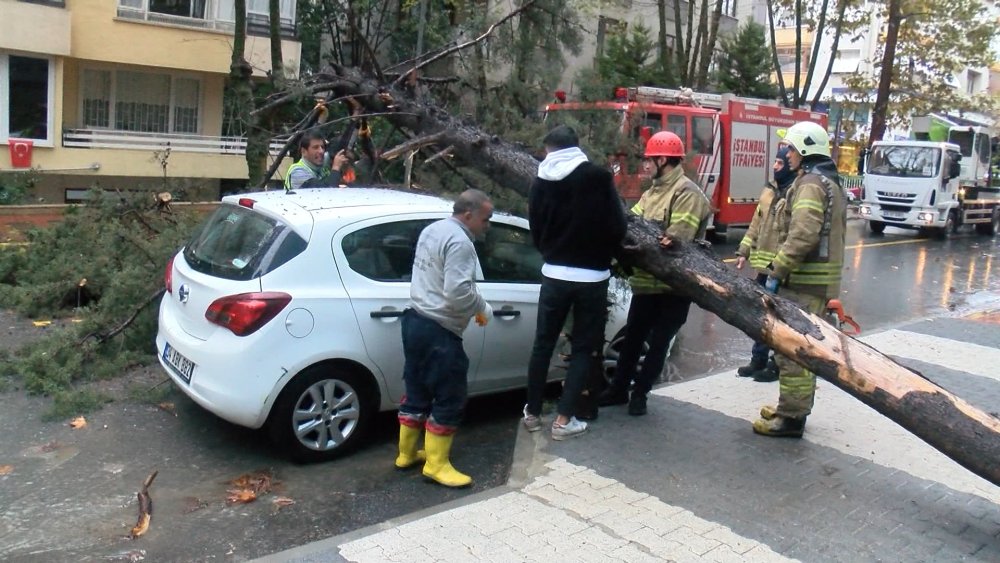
pixel 577 223
pixel 808 263
pixel 759 247
pixel 309 170
pixel 657 313
pixel 443 297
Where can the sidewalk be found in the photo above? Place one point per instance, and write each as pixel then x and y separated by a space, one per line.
pixel 691 482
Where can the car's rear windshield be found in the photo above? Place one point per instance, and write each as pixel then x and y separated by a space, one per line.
pixel 237 244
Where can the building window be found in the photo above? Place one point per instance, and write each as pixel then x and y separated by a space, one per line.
pixel 606 28
pixel 183 8
pixel 786 58
pixel 26 94
pixel 140 101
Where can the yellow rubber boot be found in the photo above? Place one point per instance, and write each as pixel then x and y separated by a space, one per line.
pixel 438 467
pixel 409 455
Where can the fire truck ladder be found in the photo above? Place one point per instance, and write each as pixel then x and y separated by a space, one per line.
pixel 687 97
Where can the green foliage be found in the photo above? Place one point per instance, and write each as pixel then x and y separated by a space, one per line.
pixel 745 65
pixel 15 187
pixel 938 39
pixel 627 60
pixel 102 264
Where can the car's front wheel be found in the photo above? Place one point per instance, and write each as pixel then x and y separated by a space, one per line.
pixel 322 413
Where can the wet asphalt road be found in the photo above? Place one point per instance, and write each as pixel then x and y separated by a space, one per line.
pixel 70 494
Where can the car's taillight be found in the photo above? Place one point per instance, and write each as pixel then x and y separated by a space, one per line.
pixel 245 313
pixel 168 277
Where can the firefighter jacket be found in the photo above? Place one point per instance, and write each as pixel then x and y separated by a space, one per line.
pixel 810 224
pixel 682 208
pixel 756 246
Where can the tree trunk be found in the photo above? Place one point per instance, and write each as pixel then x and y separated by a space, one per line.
pixel 661 42
pixel 946 422
pixel 708 53
pixel 274 30
pixel 679 39
pixel 241 86
pixel 888 65
pixel 841 9
pixel 782 91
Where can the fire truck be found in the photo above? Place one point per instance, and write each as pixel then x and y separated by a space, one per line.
pixel 731 141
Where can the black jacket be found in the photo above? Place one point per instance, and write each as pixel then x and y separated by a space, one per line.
pixel 578 221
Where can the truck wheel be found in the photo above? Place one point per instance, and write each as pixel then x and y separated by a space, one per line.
pixel 950 227
pixel 877 227
pixel 991 228
pixel 322 413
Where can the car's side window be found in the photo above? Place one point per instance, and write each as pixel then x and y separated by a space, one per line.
pixel 384 252
pixel 507 255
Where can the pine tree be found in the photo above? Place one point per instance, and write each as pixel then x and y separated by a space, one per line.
pixel 744 65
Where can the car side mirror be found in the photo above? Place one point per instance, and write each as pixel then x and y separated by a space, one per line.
pixel 955 169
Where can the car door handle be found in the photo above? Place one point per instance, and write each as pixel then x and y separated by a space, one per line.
pixel 385 314
pixel 507 313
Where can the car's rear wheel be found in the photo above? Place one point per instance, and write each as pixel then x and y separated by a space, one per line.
pixel 322 413
pixel 611 356
pixel 876 227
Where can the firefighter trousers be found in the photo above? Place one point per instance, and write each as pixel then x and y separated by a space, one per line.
pixel 797 385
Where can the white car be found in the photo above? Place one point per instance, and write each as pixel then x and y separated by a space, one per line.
pixel 284 311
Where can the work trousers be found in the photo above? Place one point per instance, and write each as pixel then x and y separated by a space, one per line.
pixel 654 318
pixel 797 385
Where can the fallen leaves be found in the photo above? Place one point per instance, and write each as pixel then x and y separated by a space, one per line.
pixel 249 486
pixel 281 502
pixel 6 469
pixel 78 423
pixel 167 407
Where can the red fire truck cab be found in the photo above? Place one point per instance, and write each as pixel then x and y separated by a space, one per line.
pixel 731 141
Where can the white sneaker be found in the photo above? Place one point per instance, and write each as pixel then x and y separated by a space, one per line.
pixel 531 422
pixel 572 428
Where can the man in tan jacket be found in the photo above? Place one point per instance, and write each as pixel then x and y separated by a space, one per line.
pixel 759 248
pixel 809 227
pixel 656 313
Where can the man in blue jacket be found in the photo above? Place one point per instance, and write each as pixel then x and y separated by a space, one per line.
pixel 577 223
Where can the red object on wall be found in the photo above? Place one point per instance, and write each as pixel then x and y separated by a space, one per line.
pixel 20 153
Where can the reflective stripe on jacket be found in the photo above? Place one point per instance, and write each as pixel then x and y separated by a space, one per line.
pixel 683 210
pixel 804 261
pixel 759 245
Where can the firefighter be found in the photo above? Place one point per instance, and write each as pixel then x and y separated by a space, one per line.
pixel 759 247
pixel 807 266
pixel 656 311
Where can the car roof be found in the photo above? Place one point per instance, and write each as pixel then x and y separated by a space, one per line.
pixel 301 207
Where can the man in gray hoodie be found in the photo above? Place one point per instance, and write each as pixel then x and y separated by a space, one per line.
pixel 443 297
pixel 577 223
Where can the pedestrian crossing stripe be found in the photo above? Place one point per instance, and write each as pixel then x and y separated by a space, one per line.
pixel 952 354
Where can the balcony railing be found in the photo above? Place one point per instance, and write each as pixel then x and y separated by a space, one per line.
pixel 132 140
pixel 256 23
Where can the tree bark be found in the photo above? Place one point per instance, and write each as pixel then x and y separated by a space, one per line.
pixel 888 66
pixel 943 420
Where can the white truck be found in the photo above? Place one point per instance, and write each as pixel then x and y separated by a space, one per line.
pixel 933 185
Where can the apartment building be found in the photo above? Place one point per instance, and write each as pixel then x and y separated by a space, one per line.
pixel 123 94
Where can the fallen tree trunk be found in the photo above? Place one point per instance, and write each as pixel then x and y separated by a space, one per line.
pixel 943 420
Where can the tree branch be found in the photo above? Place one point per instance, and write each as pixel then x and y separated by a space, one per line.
pixel 399 81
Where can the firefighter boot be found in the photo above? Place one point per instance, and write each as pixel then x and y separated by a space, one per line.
pixel 751 369
pixel 768 374
pixel 438 466
pixel 767 412
pixel 409 455
pixel 780 427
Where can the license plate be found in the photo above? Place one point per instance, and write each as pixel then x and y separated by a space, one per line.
pixel 894 214
pixel 181 365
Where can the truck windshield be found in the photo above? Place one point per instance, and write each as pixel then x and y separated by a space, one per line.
pixel 904 161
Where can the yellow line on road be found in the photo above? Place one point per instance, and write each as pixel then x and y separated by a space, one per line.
pixel 890 243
